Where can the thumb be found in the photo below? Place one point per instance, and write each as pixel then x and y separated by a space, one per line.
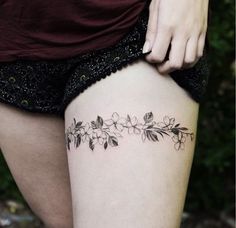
pixel 152 26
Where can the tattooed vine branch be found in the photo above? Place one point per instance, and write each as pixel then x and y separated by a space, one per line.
pixel 106 132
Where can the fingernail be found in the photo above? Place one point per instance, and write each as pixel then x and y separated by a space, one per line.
pixel 146 47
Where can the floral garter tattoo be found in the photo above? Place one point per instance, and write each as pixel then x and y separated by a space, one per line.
pixel 106 132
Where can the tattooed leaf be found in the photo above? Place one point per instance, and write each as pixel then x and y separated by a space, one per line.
pixel 105 145
pixel 128 118
pixel 152 136
pixel 112 141
pixel 191 136
pixel 183 128
pixel 78 141
pixel 91 146
pixel 93 124
pixel 78 124
pixel 176 125
pixel 75 140
pixel 74 121
pixel 172 121
pixel 68 143
pixel 143 136
pixel 175 131
pixel 160 133
pixel 164 132
pixel 99 121
pixel 148 117
pixel 150 126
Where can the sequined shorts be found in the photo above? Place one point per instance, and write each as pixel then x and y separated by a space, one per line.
pixel 48 86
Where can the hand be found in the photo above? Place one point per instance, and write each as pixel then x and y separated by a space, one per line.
pixel 181 23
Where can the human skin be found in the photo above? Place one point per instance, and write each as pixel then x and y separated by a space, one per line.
pixel 183 24
pixel 133 184
pixel 129 182
pixel 34 149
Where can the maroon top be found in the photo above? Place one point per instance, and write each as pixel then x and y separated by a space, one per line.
pixel 54 29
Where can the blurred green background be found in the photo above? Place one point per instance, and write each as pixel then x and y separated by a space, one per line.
pixel 211 186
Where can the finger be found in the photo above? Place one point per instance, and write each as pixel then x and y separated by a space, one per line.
pixel 151 27
pixel 191 52
pixel 164 68
pixel 201 44
pixel 161 44
pixel 176 56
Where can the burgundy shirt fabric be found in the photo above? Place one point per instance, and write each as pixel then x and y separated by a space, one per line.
pixel 55 29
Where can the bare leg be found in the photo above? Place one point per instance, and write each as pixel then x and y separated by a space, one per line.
pixel 34 149
pixel 132 183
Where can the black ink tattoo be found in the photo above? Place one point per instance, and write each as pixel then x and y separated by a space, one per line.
pixel 106 132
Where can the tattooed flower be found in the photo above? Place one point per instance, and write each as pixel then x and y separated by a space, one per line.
pixel 100 131
pixel 99 136
pixel 116 122
pixel 167 123
pixel 179 141
pixel 86 131
pixel 133 125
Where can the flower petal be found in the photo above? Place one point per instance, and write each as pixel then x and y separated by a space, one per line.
pixel 137 131
pixel 128 124
pixel 100 140
pixel 175 138
pixel 115 116
pixel 134 120
pixel 131 130
pixel 103 135
pixel 109 122
pixel 119 127
pixel 160 124
pixel 86 127
pixel 122 121
pixel 95 140
pixel 183 139
pixel 177 146
pixel 166 120
pixel 182 146
pixel 82 131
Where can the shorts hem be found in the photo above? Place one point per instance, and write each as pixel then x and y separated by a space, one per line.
pixel 28 110
pixel 104 74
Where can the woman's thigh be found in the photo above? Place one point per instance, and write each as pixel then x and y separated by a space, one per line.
pixel 130 158
pixel 34 149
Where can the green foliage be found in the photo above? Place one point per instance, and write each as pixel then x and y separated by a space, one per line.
pixel 211 185
pixel 8 187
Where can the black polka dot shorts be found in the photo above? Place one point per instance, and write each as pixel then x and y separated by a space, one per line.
pixel 48 86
